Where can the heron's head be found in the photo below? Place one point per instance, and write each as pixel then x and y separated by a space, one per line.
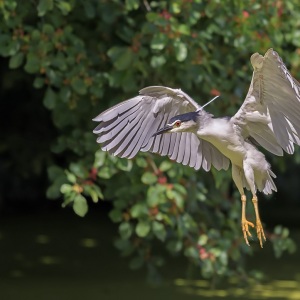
pixel 181 123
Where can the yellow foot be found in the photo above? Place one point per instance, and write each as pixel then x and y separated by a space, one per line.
pixel 245 229
pixel 260 232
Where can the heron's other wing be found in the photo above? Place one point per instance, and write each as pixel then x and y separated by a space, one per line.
pixel 129 126
pixel 271 110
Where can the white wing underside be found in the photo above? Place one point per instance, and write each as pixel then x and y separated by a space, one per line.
pixel 128 127
pixel 271 111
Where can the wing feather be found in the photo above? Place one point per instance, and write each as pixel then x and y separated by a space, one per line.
pixel 128 127
pixel 271 111
pixel 194 149
pixel 187 152
pixel 174 154
pixel 182 148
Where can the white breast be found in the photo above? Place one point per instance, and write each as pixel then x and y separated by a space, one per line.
pixel 222 135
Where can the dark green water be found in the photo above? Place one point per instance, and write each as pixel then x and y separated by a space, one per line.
pixel 57 255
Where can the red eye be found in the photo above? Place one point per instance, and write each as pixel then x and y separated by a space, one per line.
pixel 177 123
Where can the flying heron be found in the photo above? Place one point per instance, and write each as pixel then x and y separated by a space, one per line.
pixel 169 122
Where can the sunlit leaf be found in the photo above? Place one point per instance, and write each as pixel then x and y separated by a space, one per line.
pixel 181 51
pixel 159 41
pixel 66 188
pixel 64 6
pixel 165 165
pixel 149 178
pixel 157 61
pixel 80 206
pixel 143 228
pixel 138 210
pixel 43 6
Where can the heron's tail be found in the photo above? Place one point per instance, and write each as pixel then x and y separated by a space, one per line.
pixel 269 185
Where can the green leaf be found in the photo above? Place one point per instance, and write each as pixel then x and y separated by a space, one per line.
pixel 156 195
pixel 179 188
pixel 178 199
pixel 285 233
pixel 174 246
pixel 68 198
pixel 141 162
pixel 100 157
pixel 48 28
pixel 65 94
pixel 159 230
pixel 71 177
pixel 54 172
pixel 94 192
pixel 78 86
pixel 66 188
pixel 184 29
pixel 64 6
pixel 16 60
pixel 203 238
pixel 139 210
pixel 157 61
pixel 53 192
pixel 143 228
pixel 132 4
pixel 98 191
pixel 80 206
pixel 8 46
pixel 35 35
pixel 170 194
pixel 50 99
pixel 125 230
pixel 149 178
pixel 32 64
pixel 38 82
pixel 44 6
pixel 181 51
pixel 152 17
pixel 124 164
pixel 159 41
pixel 122 57
pixel 165 165
pixel 115 215
pixel 106 172
pixel 79 170
pixel 278 230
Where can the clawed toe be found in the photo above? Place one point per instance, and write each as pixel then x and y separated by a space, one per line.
pixel 245 229
pixel 260 233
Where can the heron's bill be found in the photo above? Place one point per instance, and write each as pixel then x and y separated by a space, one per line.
pixel 163 130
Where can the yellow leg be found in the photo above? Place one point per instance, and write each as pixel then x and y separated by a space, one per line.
pixel 259 228
pixel 245 223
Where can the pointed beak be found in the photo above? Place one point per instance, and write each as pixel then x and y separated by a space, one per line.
pixel 162 130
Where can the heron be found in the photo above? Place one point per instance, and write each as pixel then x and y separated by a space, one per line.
pixel 170 123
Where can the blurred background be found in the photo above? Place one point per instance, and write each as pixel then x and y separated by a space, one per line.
pixel 76 222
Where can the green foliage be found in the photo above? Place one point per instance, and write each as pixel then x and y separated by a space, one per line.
pixel 88 55
pixel 282 242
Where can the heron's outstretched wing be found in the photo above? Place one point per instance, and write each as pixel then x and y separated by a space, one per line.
pixel 271 111
pixel 128 127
